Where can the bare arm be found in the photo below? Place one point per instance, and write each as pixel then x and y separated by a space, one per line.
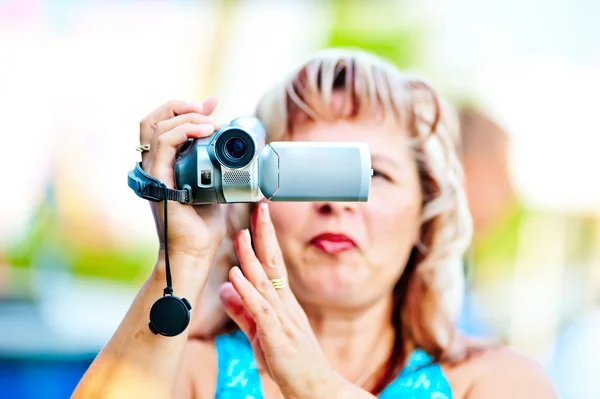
pixel 136 362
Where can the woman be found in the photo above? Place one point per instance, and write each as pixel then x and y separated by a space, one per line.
pixel 373 287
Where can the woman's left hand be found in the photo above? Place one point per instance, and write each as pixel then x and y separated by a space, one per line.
pixel 266 310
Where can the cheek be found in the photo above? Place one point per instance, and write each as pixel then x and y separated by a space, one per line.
pixel 288 218
pixel 394 222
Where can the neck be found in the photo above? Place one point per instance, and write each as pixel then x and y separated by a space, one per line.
pixel 356 342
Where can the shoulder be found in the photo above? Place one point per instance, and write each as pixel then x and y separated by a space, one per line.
pixel 499 373
pixel 199 370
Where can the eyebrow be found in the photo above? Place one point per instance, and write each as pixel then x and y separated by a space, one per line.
pixel 384 158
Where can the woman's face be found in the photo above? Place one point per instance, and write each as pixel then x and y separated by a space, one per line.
pixel 347 255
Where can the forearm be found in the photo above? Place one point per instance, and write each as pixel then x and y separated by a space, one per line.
pixel 136 362
pixel 351 391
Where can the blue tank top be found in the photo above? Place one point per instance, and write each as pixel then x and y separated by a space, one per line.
pixel 238 376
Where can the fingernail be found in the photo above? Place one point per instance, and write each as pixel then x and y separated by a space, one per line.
pixel 209 98
pixel 246 236
pixel 264 212
pixel 237 273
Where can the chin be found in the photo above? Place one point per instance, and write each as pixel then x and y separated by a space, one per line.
pixel 332 283
pixel 329 298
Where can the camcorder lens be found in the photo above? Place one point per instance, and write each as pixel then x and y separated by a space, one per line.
pixel 236 148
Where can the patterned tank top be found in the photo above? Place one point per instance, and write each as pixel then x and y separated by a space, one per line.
pixel 238 376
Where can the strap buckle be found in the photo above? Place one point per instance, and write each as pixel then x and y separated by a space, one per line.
pixel 151 189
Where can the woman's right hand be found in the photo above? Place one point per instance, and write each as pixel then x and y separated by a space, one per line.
pixel 135 362
pixel 194 231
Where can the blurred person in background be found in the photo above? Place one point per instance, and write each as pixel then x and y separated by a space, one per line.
pixel 373 288
pixel 484 151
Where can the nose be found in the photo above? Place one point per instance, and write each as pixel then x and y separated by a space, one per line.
pixel 335 208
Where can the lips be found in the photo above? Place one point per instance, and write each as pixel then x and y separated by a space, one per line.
pixel 332 243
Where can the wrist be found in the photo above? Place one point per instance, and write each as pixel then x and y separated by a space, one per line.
pixel 341 388
pixel 184 260
pixel 188 273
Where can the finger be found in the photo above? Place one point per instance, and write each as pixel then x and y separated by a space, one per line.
pixel 171 109
pixel 195 118
pixel 168 111
pixel 267 247
pixel 163 153
pixel 235 308
pixel 255 272
pixel 209 105
pixel 170 124
pixel 260 309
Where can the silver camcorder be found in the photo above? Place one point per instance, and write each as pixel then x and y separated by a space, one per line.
pixel 235 165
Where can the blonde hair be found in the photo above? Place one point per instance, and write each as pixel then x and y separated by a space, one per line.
pixel 429 294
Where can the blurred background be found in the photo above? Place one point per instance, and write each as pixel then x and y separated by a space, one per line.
pixel 76 77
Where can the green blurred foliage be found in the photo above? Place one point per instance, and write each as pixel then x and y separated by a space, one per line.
pixel 379 28
pixel 128 264
pixel 21 249
pixel 496 251
pixel 44 244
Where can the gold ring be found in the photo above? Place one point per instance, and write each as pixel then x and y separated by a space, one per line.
pixel 143 148
pixel 279 283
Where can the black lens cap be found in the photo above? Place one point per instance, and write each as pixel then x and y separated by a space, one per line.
pixel 170 316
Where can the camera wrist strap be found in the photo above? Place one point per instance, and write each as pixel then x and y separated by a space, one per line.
pixel 169 315
pixel 169 288
pixel 150 188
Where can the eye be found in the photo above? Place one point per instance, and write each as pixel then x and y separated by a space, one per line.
pixel 377 174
